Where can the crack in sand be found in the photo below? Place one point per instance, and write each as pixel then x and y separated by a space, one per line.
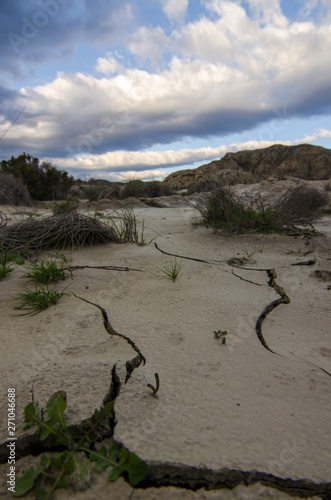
pixel 130 365
pixel 187 258
pixel 183 476
pixel 284 299
pixel 193 478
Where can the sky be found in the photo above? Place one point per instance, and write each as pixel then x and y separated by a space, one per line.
pixel 123 90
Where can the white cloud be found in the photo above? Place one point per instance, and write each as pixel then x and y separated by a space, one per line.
pixel 109 65
pixel 149 43
pixel 322 9
pixel 228 75
pixel 268 12
pixel 175 9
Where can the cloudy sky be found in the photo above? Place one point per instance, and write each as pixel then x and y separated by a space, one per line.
pixel 138 89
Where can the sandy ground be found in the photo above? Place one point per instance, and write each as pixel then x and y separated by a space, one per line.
pixel 234 405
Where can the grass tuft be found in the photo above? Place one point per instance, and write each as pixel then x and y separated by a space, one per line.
pixel 35 301
pixel 172 271
pixel 48 270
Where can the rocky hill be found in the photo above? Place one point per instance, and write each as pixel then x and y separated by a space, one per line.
pixel 304 161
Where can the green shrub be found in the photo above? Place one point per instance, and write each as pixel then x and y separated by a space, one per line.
pixel 44 182
pixel 141 189
pixel 223 210
pixel 65 207
pixel 92 193
pixel 202 187
pixel 13 192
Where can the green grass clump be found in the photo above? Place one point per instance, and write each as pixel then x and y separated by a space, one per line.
pixel 173 270
pixel 35 301
pixel 6 260
pixel 48 270
pixel 5 268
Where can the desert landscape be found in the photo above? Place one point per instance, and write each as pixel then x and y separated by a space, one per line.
pixel 242 419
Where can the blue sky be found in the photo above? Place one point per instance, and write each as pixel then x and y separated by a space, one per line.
pixel 123 90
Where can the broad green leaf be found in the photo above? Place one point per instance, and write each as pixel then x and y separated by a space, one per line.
pixel 96 455
pixel 69 465
pixel 124 456
pixel 30 413
pixel 42 494
pixel 101 464
pixel 114 473
pixel 45 431
pixel 62 482
pixel 56 462
pixel 56 406
pixel 107 410
pixel 137 469
pixel 45 461
pixel 114 451
pixel 100 457
pixel 26 482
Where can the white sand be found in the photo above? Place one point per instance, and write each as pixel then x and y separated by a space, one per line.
pixel 235 406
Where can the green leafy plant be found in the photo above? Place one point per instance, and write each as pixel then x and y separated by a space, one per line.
pixel 48 270
pixel 56 471
pixel 155 389
pixel 121 461
pixel 35 301
pixel 173 271
pixel 221 334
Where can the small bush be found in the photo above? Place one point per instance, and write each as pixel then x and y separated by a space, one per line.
pixel 92 193
pixel 223 210
pixel 65 207
pixel 13 192
pixel 299 205
pixel 141 189
pixel 202 187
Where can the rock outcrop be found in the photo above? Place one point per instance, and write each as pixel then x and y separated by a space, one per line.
pixel 304 161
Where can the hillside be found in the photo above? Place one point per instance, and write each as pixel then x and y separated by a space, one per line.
pixel 250 166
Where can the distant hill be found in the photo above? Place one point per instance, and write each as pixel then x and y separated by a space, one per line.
pixel 250 166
